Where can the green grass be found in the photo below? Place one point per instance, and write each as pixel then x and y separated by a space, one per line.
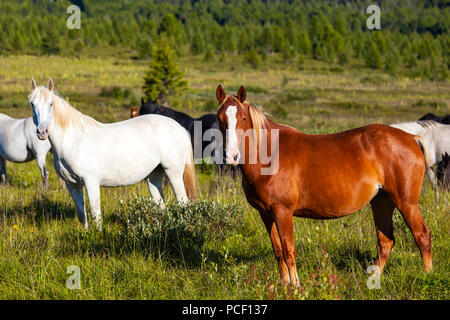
pixel 40 235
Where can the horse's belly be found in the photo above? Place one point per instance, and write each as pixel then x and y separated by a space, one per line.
pixel 15 153
pixel 123 177
pixel 331 205
pixel 116 174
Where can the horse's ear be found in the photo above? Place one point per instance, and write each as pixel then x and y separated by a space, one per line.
pixel 242 94
pixel 142 101
pixel 220 94
pixel 33 84
pixel 50 85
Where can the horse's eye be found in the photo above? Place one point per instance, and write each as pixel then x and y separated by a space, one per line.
pixel 243 119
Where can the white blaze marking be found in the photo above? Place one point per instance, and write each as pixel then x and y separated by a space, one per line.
pixel 231 132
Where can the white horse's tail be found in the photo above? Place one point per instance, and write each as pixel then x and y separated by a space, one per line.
pixel 189 177
pixel 425 151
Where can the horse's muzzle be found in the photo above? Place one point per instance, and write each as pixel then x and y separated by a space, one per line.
pixel 42 133
pixel 232 157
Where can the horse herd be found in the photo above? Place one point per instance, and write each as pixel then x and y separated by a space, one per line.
pixel 367 163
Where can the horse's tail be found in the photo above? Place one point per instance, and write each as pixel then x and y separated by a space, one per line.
pixel 189 178
pixel 425 151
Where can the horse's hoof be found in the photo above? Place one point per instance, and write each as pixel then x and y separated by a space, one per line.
pixel 428 267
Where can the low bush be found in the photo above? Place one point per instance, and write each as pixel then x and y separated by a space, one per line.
pixel 188 226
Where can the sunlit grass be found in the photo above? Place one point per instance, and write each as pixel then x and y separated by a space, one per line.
pixel 40 235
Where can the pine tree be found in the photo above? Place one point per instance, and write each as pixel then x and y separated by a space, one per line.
pixel 391 61
pixel 51 42
pixel 145 48
pixel 373 57
pixel 343 57
pixel 164 77
pixel 304 44
pixel 197 44
pixel 209 53
pixel 253 58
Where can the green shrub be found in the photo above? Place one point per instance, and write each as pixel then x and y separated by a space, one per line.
pixel 188 226
pixel 115 92
pixel 375 80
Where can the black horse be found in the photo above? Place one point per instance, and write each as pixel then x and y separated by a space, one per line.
pixel 207 121
pixel 431 116
pixel 443 171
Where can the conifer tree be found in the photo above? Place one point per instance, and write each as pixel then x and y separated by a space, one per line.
pixel 391 61
pixel 304 44
pixel 164 77
pixel 253 58
pixel 51 42
pixel 373 57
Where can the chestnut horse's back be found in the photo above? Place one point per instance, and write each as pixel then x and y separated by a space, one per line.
pixel 334 175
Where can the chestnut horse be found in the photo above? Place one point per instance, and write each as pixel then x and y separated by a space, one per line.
pixel 367 165
pixel 134 112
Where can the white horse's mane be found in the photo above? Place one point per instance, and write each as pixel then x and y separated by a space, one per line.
pixel 64 115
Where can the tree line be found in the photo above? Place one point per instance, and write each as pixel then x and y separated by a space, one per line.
pixel 414 34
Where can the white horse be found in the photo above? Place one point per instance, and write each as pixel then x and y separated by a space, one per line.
pixel 19 143
pixel 92 154
pixel 435 136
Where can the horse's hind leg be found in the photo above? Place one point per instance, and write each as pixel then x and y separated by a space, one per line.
pixel 175 175
pixel 276 245
pixel 78 198
pixel 383 208
pixel 3 176
pixel 422 235
pixel 431 175
pixel 154 183
pixel 40 160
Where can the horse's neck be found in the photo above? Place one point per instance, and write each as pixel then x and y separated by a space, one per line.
pixel 208 121
pixel 61 137
pixel 178 116
pixel 251 172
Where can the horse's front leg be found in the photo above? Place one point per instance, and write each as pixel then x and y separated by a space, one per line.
pixel 40 160
pixel 3 176
pixel 284 222
pixel 276 245
pixel 93 194
pixel 77 195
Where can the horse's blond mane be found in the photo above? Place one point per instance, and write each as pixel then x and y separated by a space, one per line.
pixel 64 115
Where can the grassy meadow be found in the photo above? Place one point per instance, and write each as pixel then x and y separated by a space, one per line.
pixel 40 235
